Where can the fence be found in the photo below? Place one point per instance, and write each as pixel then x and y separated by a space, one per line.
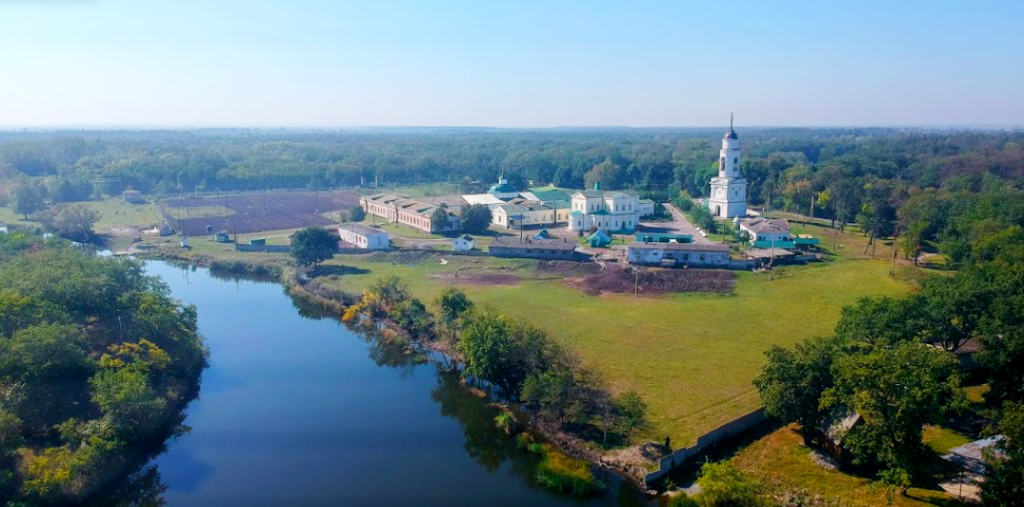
pixel 733 428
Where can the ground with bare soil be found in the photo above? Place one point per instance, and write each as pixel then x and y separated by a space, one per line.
pixel 569 268
pixel 617 278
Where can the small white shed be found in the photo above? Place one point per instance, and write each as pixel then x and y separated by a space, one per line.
pixel 462 243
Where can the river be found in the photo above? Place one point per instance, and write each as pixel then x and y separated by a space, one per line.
pixel 296 409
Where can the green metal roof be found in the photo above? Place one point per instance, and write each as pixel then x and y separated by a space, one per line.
pixel 502 189
pixel 576 213
pixel 774 244
pixel 551 194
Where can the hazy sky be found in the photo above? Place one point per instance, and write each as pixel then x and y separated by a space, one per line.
pixel 517 63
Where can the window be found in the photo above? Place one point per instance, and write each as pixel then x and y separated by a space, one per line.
pixel 702 257
pixel 735 161
pixel 721 163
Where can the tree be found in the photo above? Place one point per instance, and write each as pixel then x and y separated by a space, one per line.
pixel 883 321
pixel 439 219
pixel 313 245
pixel 71 221
pixel 356 214
pixel 126 398
pixel 609 174
pixel 702 217
pixel 28 198
pixel 632 411
pixel 503 351
pixel 10 433
pixel 390 290
pixel 564 391
pixel 476 218
pixel 897 391
pixel 792 381
pixel 453 304
pixel 412 316
pixel 1004 483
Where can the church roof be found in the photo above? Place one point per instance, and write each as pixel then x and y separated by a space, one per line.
pixel 766 225
pixel 502 188
pixel 731 134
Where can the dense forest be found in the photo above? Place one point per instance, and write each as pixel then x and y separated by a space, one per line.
pixel 924 186
pixel 96 365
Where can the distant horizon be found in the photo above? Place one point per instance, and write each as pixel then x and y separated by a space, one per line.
pixel 738 127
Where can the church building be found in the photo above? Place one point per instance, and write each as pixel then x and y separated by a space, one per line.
pixel 729 190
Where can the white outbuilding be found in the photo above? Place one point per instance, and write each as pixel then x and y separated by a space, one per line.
pixel 364 236
pixel 462 243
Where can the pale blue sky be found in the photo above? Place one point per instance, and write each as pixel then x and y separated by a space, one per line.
pixel 515 64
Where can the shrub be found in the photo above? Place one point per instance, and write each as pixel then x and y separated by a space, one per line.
pixel 723 485
pixel 682 500
pixel 562 473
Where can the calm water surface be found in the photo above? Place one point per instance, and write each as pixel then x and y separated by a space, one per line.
pixel 296 409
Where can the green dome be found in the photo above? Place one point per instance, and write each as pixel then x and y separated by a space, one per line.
pixel 502 188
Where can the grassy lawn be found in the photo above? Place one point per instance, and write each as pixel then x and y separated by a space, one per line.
pixel 941 440
pixel 399 230
pixel 113 212
pixel 691 356
pixel 781 460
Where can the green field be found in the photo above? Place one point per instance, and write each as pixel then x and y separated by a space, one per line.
pixel 113 212
pixel 691 356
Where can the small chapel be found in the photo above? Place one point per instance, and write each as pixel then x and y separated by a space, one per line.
pixel 729 190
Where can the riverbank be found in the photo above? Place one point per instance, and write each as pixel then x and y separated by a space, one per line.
pixel 306 286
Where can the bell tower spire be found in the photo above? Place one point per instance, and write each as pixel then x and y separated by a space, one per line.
pixel 730 121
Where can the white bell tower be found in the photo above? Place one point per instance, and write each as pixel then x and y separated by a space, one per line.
pixel 728 190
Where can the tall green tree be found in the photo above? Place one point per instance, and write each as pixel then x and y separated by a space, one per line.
pixel 439 219
pixel 1004 483
pixel 897 391
pixel 792 382
pixel 28 198
pixel 313 245
pixel 610 175
pixel 476 218
pixel 504 351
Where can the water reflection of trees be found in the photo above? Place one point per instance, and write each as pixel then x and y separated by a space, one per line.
pixel 484 441
pixel 491 447
pixel 390 349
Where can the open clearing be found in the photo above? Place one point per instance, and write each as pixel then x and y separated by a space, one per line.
pixel 691 356
pixel 255 212
pixel 113 211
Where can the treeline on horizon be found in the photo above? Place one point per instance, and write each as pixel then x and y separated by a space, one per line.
pixel 927 187
pixel 651 160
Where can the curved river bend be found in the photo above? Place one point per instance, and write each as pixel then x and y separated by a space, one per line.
pixel 296 409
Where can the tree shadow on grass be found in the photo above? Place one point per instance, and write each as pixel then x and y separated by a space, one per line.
pixel 334 270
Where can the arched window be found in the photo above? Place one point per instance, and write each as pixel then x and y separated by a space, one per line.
pixel 721 163
pixel 736 161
